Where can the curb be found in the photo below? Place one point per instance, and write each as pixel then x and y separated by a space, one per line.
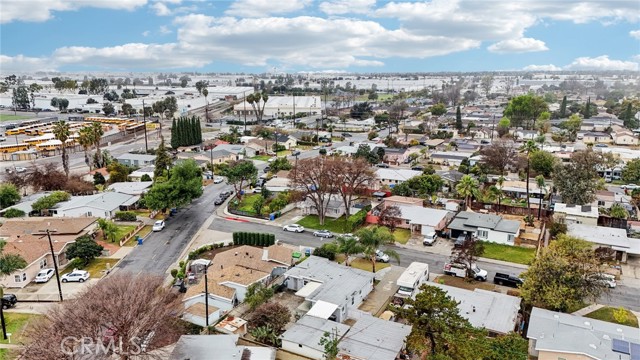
pixel 487 260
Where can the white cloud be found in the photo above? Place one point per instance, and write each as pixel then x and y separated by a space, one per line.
pixel 264 8
pixel 339 7
pixel 520 45
pixel 164 30
pixel 549 67
pixel 22 63
pixel 635 34
pixel 161 9
pixel 41 10
pixel 146 33
pixel 601 63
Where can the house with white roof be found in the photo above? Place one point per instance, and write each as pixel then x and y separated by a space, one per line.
pixel 330 289
pixel 130 188
pixel 104 205
pixel 553 335
pixel 494 311
pixel 137 160
pixel 414 216
pixel 392 177
pixel 197 347
pixel 578 214
pixel 602 236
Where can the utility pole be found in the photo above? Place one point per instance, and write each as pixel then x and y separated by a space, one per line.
pixel 245 109
pixel 206 295
pixel 294 106
pixel 55 262
pixel 144 117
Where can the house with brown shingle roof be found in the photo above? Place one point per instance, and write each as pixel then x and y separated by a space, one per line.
pixel 27 237
pixel 229 275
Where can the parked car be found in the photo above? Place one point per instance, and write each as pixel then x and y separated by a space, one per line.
pixel 459 241
pixel 293 228
pixel 607 280
pixel 323 233
pixel 256 190
pixel 158 225
pixel 382 165
pixel 9 301
pixel 430 239
pixel 44 275
pixel 20 169
pixel 630 186
pixel 346 134
pixel 226 194
pixel 219 201
pixel 601 145
pixel 418 168
pixel 267 169
pixel 507 280
pixel 382 257
pixel 218 179
pixel 295 153
pixel 76 276
pixel 460 270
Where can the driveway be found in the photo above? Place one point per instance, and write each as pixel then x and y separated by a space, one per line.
pixel 49 290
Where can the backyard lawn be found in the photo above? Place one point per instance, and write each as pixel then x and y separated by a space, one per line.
pixel 10 117
pixel 606 314
pixel 514 254
pixel 333 225
pixel 16 323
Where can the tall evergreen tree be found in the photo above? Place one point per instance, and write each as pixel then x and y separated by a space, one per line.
pixel 162 163
pixel 458 119
pixel 175 141
pixel 563 107
pixel 587 109
pixel 199 127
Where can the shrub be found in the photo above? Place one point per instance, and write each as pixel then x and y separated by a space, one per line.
pixel 125 216
pixel 327 251
pixel 180 274
pixel 174 273
pixel 357 219
pixel 271 314
pixel 14 213
pixel 557 228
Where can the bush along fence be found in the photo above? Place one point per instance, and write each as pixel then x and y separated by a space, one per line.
pixel 128 236
pixel 356 220
pixel 253 239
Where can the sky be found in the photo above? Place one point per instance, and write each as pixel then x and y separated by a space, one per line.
pixel 275 36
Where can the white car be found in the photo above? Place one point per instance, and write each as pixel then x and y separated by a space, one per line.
pixel 158 226
pixel 20 169
pixel 44 275
pixel 293 228
pixel 382 257
pixel 75 276
pixel 430 239
pixel 607 280
pixel 218 179
pixel 272 159
pixel 630 186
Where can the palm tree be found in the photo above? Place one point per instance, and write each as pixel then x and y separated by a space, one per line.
pixel 348 245
pixel 540 139
pixel 8 264
pixel 467 187
pixel 85 139
pixel 542 186
pixel 97 132
pixel 371 238
pixel 528 148
pixel 62 132
pixel 494 194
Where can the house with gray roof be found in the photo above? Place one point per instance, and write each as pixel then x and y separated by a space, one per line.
pixel 330 289
pixel 202 347
pixel 102 205
pixel 136 160
pixel 486 227
pixel 602 236
pixel 494 311
pixel 130 188
pixel 369 338
pixel 554 335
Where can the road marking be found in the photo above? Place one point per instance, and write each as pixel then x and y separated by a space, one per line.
pixel 236 219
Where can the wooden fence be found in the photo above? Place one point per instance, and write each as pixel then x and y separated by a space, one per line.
pixel 128 236
pixel 511 210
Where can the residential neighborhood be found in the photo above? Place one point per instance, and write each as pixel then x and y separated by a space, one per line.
pixel 277 208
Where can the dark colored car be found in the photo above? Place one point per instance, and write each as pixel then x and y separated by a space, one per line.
pixel 9 301
pixel 383 165
pixel 346 135
pixel 459 241
pixel 267 169
pixel 417 168
pixel 507 280
pixel 219 201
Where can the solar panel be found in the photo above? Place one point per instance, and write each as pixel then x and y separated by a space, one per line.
pixel 620 346
pixel 635 351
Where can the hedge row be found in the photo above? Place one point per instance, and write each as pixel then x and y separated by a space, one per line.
pixel 253 239
pixel 125 216
pixel 356 220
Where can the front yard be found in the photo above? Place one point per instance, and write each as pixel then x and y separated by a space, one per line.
pixel 361 263
pixel 331 224
pixel 514 254
pixel 606 313
pixel 464 284
pixel 96 267
pixel 246 204
pixel 16 324
pixel 123 230
pixel 402 235
pixel 261 157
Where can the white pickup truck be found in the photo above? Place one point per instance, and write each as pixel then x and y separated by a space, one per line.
pixel 460 270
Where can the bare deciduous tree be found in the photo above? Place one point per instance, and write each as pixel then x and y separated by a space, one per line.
pixel 500 155
pixel 123 317
pixel 314 178
pixel 353 177
pixel 391 217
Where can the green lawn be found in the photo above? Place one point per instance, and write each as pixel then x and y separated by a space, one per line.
pixel 331 224
pixel 95 267
pixel 123 230
pixel 142 233
pixel 9 117
pixel 247 202
pixel 402 235
pixel 606 314
pixel 283 153
pixel 261 157
pixel 515 254
pixel 16 323
pixel 361 263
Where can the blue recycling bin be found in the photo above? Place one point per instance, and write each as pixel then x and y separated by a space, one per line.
pixel 140 241
pixel 272 216
pixel 307 252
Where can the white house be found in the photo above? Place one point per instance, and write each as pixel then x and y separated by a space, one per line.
pixel 330 290
pixel 578 214
pixel 140 173
pixel 392 177
pixel 280 106
pixel 197 347
pixel 102 205
pixel 138 160
pixel 487 227
pixel 303 337
pixel 625 137
pixel 602 236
